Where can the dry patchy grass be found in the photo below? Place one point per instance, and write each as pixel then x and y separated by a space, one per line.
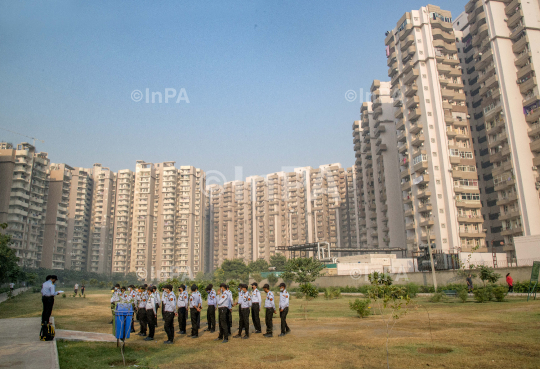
pixel 469 335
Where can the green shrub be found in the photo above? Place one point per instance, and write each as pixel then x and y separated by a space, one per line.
pixel 327 293
pixel 500 293
pixel 336 293
pixel 412 289
pixel 483 294
pixel 309 290
pixel 63 295
pixel 299 295
pixel 463 295
pixel 361 307
pixel 437 297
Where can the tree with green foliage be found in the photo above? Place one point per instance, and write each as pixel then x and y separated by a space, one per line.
pixel 488 275
pixel 258 266
pixel 235 269
pixel 9 267
pixel 303 270
pixel 257 277
pixel 218 276
pixel 272 279
pixel 278 261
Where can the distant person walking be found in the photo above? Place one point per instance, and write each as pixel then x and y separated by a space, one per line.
pixel 76 288
pixel 82 289
pixel 469 283
pixel 510 282
pixel 48 291
pixel 11 287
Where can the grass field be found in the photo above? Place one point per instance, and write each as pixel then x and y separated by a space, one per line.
pixel 465 335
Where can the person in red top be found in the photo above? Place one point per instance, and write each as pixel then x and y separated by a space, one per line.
pixel 510 282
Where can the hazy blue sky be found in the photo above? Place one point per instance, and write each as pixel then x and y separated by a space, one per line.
pixel 266 80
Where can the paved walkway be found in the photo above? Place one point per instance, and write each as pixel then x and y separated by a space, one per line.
pixel 4 296
pixel 21 347
pixel 63 334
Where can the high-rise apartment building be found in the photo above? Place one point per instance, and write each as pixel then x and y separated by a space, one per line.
pixel 79 215
pixel 53 255
pixel 102 219
pixel 168 220
pixel 379 196
pixel 439 182
pixel 23 199
pixel 123 221
pixel 250 219
pixel 500 47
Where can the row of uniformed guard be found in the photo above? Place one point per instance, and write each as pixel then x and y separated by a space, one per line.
pixel 147 301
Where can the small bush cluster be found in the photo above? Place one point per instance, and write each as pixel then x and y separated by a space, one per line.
pixel 309 290
pixel 332 293
pixel 361 307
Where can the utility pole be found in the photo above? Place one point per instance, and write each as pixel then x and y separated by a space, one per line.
pixel 431 260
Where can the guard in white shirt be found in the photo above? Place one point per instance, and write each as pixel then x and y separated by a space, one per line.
pixel 223 308
pixel 270 308
pixel 211 310
pixel 195 304
pixel 182 308
pixel 142 297
pixel 151 314
pixel 283 309
pixel 47 297
pixel 245 305
pixel 169 311
pixel 133 298
pixel 157 300
pixel 255 307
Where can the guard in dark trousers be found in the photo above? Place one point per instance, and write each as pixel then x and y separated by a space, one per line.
pixel 169 311
pixel 48 292
pixel 223 309
pixel 283 309
pixel 256 307
pixel 229 313
pixel 245 305
pixel 195 304
pixel 182 305
pixel 142 297
pixel 151 314
pixel 270 308
pixel 211 310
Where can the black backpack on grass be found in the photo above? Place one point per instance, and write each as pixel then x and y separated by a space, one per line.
pixel 47 332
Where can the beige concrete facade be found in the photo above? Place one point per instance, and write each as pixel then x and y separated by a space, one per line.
pixel 23 202
pixel 123 221
pixel 439 182
pixel 102 220
pixel 250 219
pixel 380 205
pixel 501 42
pixel 53 255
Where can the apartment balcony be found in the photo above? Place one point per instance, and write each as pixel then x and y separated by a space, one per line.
pixel 437 23
pixel 400 125
pixel 505 184
pixel 405 31
pixel 425 239
pixel 405 173
pixel 418 140
pixel 402 137
pixel 512 231
pixel 439 34
pixel 531 99
pixel 407 41
pixel 523 59
pixel 411 76
pixel 410 226
pixel 412 102
pixel 406 186
pixel 423 194
pixel 403 148
pixel 520 45
pixel 415 114
pixel 425 207
pixel 528 85
pixel 535 146
pixel 420 167
pixel 398 113
pixel 415 128
pixel 411 90
pixel 510 9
